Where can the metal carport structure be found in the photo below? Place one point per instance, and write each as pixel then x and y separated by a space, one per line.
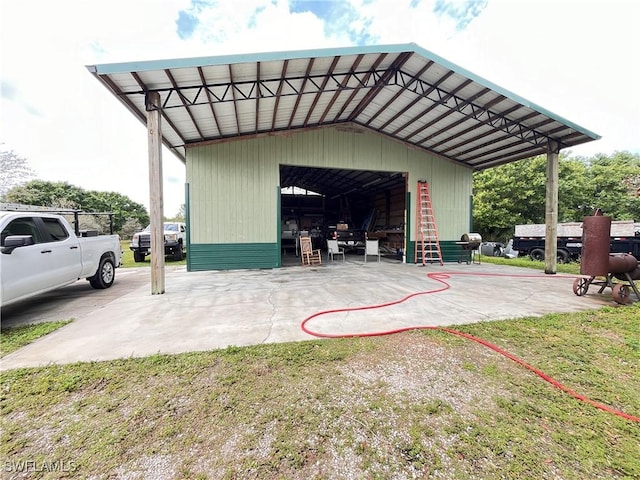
pixel 401 91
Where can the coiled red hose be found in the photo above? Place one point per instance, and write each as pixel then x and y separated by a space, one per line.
pixel 441 278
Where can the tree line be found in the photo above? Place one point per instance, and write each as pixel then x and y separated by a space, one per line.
pixel 514 194
pixel 18 186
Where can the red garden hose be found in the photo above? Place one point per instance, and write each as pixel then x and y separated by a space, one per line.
pixel 441 278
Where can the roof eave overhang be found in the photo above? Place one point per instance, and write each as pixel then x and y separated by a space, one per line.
pixel 401 91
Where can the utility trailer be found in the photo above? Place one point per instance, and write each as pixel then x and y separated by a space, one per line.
pixel 530 240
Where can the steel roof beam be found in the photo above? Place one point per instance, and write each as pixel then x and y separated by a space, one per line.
pixel 275 107
pixel 320 90
pixel 235 104
pixel 258 97
pixel 494 140
pixel 443 116
pixel 299 96
pixel 484 153
pixel 343 86
pixel 398 93
pixel 377 88
pixel 455 124
pixel 418 98
pixel 213 111
pixel 497 120
pixel 372 78
pixel 346 104
pixel 247 90
pixel 184 103
pixel 526 152
pixel 484 133
pixel 429 109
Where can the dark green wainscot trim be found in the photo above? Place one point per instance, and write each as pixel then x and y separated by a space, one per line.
pixel 233 256
pixel 450 252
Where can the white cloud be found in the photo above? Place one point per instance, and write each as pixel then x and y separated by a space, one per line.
pixel 580 60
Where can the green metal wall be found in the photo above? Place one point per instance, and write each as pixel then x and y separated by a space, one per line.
pixel 450 252
pixel 233 200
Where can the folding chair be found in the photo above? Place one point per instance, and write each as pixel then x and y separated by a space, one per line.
pixel 334 249
pixel 372 248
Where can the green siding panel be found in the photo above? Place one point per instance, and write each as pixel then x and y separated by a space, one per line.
pixel 232 256
pixel 450 252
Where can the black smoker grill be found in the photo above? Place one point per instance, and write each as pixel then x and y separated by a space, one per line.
pixel 470 243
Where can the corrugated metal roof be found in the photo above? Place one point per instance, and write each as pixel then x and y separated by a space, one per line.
pixel 402 91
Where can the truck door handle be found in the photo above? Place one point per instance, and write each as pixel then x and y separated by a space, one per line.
pixel 73 247
pixel 45 251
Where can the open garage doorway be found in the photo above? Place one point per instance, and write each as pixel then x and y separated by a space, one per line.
pixel 348 205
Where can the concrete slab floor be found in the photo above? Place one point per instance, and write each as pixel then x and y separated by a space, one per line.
pixel 210 310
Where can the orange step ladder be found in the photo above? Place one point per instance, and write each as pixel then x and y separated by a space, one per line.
pixel 427 243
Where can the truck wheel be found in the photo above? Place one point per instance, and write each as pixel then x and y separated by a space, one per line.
pixel 178 254
pixel 537 254
pixel 105 275
pixel 563 256
pixel 138 256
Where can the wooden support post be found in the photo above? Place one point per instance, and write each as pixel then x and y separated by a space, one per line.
pixel 551 211
pixel 153 107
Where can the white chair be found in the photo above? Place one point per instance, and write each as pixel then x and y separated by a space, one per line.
pixel 372 248
pixel 334 249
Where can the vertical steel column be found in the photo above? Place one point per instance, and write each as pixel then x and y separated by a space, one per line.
pixel 551 210
pixel 154 129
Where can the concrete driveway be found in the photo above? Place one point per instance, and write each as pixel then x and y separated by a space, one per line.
pixel 210 310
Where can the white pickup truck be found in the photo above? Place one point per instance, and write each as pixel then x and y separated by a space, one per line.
pixel 175 239
pixel 41 251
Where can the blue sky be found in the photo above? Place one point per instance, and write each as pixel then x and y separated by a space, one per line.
pixel 578 59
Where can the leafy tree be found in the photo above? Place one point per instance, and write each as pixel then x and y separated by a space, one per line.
pixel 574 199
pixel 64 195
pixel 507 195
pixel 131 226
pixel 14 170
pixel 613 184
pixel 515 193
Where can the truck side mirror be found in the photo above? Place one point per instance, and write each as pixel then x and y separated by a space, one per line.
pixel 15 241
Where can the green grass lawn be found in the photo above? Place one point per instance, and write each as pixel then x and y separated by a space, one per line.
pixel 526 262
pixel 11 339
pixel 414 405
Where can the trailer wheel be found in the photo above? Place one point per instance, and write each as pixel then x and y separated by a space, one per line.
pixel 537 254
pixel 620 293
pixel 580 286
pixel 563 256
